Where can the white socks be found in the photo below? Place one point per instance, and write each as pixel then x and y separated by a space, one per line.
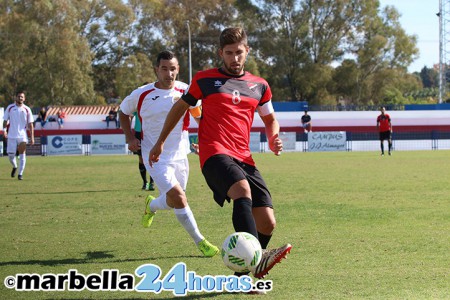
pixel 23 161
pixel 186 218
pixel 12 159
pixel 159 203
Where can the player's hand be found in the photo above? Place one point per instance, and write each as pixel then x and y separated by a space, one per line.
pixel 134 144
pixel 156 151
pixel 196 148
pixel 32 141
pixel 276 144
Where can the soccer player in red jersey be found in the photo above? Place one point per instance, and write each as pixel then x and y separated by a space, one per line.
pixel 384 126
pixel 230 96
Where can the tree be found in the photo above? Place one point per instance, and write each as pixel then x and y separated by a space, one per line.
pixel 382 45
pixel 42 53
pixel 429 77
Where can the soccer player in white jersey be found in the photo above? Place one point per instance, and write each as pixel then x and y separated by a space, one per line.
pixel 20 118
pixel 152 102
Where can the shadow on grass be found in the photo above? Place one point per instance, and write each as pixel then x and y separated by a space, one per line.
pixel 212 295
pixel 62 192
pixel 98 257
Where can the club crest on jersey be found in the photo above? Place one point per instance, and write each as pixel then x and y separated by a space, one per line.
pixel 252 86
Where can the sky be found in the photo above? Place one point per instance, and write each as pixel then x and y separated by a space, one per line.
pixel 418 17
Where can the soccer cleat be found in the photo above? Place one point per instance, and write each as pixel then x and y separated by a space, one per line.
pixel 382 154
pixel 13 172
pixel 145 186
pixel 269 259
pixel 20 177
pixel 147 218
pixel 151 186
pixel 208 249
pixel 389 153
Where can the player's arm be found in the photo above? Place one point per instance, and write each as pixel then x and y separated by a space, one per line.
pixel 176 112
pixel 131 140
pixel 272 126
pixel 5 132
pixel 31 127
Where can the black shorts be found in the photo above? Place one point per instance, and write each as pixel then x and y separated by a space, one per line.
pixel 385 135
pixel 222 171
pixel 137 134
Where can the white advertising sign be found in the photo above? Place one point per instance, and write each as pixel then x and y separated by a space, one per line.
pixel 327 141
pixel 108 144
pixel 64 145
pixel 288 139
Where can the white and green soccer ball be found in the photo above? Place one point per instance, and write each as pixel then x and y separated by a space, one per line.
pixel 241 252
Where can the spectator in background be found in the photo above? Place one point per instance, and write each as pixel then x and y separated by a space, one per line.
pixel 384 126
pixel 61 116
pixel 112 116
pixel 306 122
pixel 42 117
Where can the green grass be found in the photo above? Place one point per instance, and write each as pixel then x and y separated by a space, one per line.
pixel 362 226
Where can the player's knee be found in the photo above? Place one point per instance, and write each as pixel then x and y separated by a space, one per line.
pixel 267 228
pixel 240 189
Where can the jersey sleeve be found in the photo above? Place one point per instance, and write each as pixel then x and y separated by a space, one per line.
pixel 265 109
pixel 193 93
pixel 129 104
pixel 6 114
pixel 30 116
pixel 267 94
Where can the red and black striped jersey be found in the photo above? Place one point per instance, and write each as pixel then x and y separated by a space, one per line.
pixel 228 109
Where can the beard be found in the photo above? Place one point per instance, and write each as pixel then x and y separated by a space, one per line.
pixel 233 70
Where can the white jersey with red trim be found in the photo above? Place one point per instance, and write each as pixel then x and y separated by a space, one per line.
pixel 19 117
pixel 152 106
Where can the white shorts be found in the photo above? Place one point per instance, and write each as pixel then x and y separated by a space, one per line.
pixel 168 174
pixel 13 143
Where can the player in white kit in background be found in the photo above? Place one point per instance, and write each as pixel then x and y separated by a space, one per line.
pixel 17 119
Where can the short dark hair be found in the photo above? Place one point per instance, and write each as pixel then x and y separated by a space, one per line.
pixel 20 92
pixel 232 35
pixel 166 55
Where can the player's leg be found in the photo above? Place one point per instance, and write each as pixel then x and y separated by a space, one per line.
pixel 11 149
pixel 265 223
pixel 226 178
pixel 142 170
pixel 389 142
pixel 381 135
pixel 185 215
pixel 22 158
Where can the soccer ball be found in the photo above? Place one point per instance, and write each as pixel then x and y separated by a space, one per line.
pixel 241 251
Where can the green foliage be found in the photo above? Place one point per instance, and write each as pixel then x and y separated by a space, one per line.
pixel 76 52
pixel 362 226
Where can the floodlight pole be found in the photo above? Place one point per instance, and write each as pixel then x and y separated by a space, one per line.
pixel 189 50
pixel 441 55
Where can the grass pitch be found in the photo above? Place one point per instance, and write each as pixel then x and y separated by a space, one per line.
pixel 362 226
